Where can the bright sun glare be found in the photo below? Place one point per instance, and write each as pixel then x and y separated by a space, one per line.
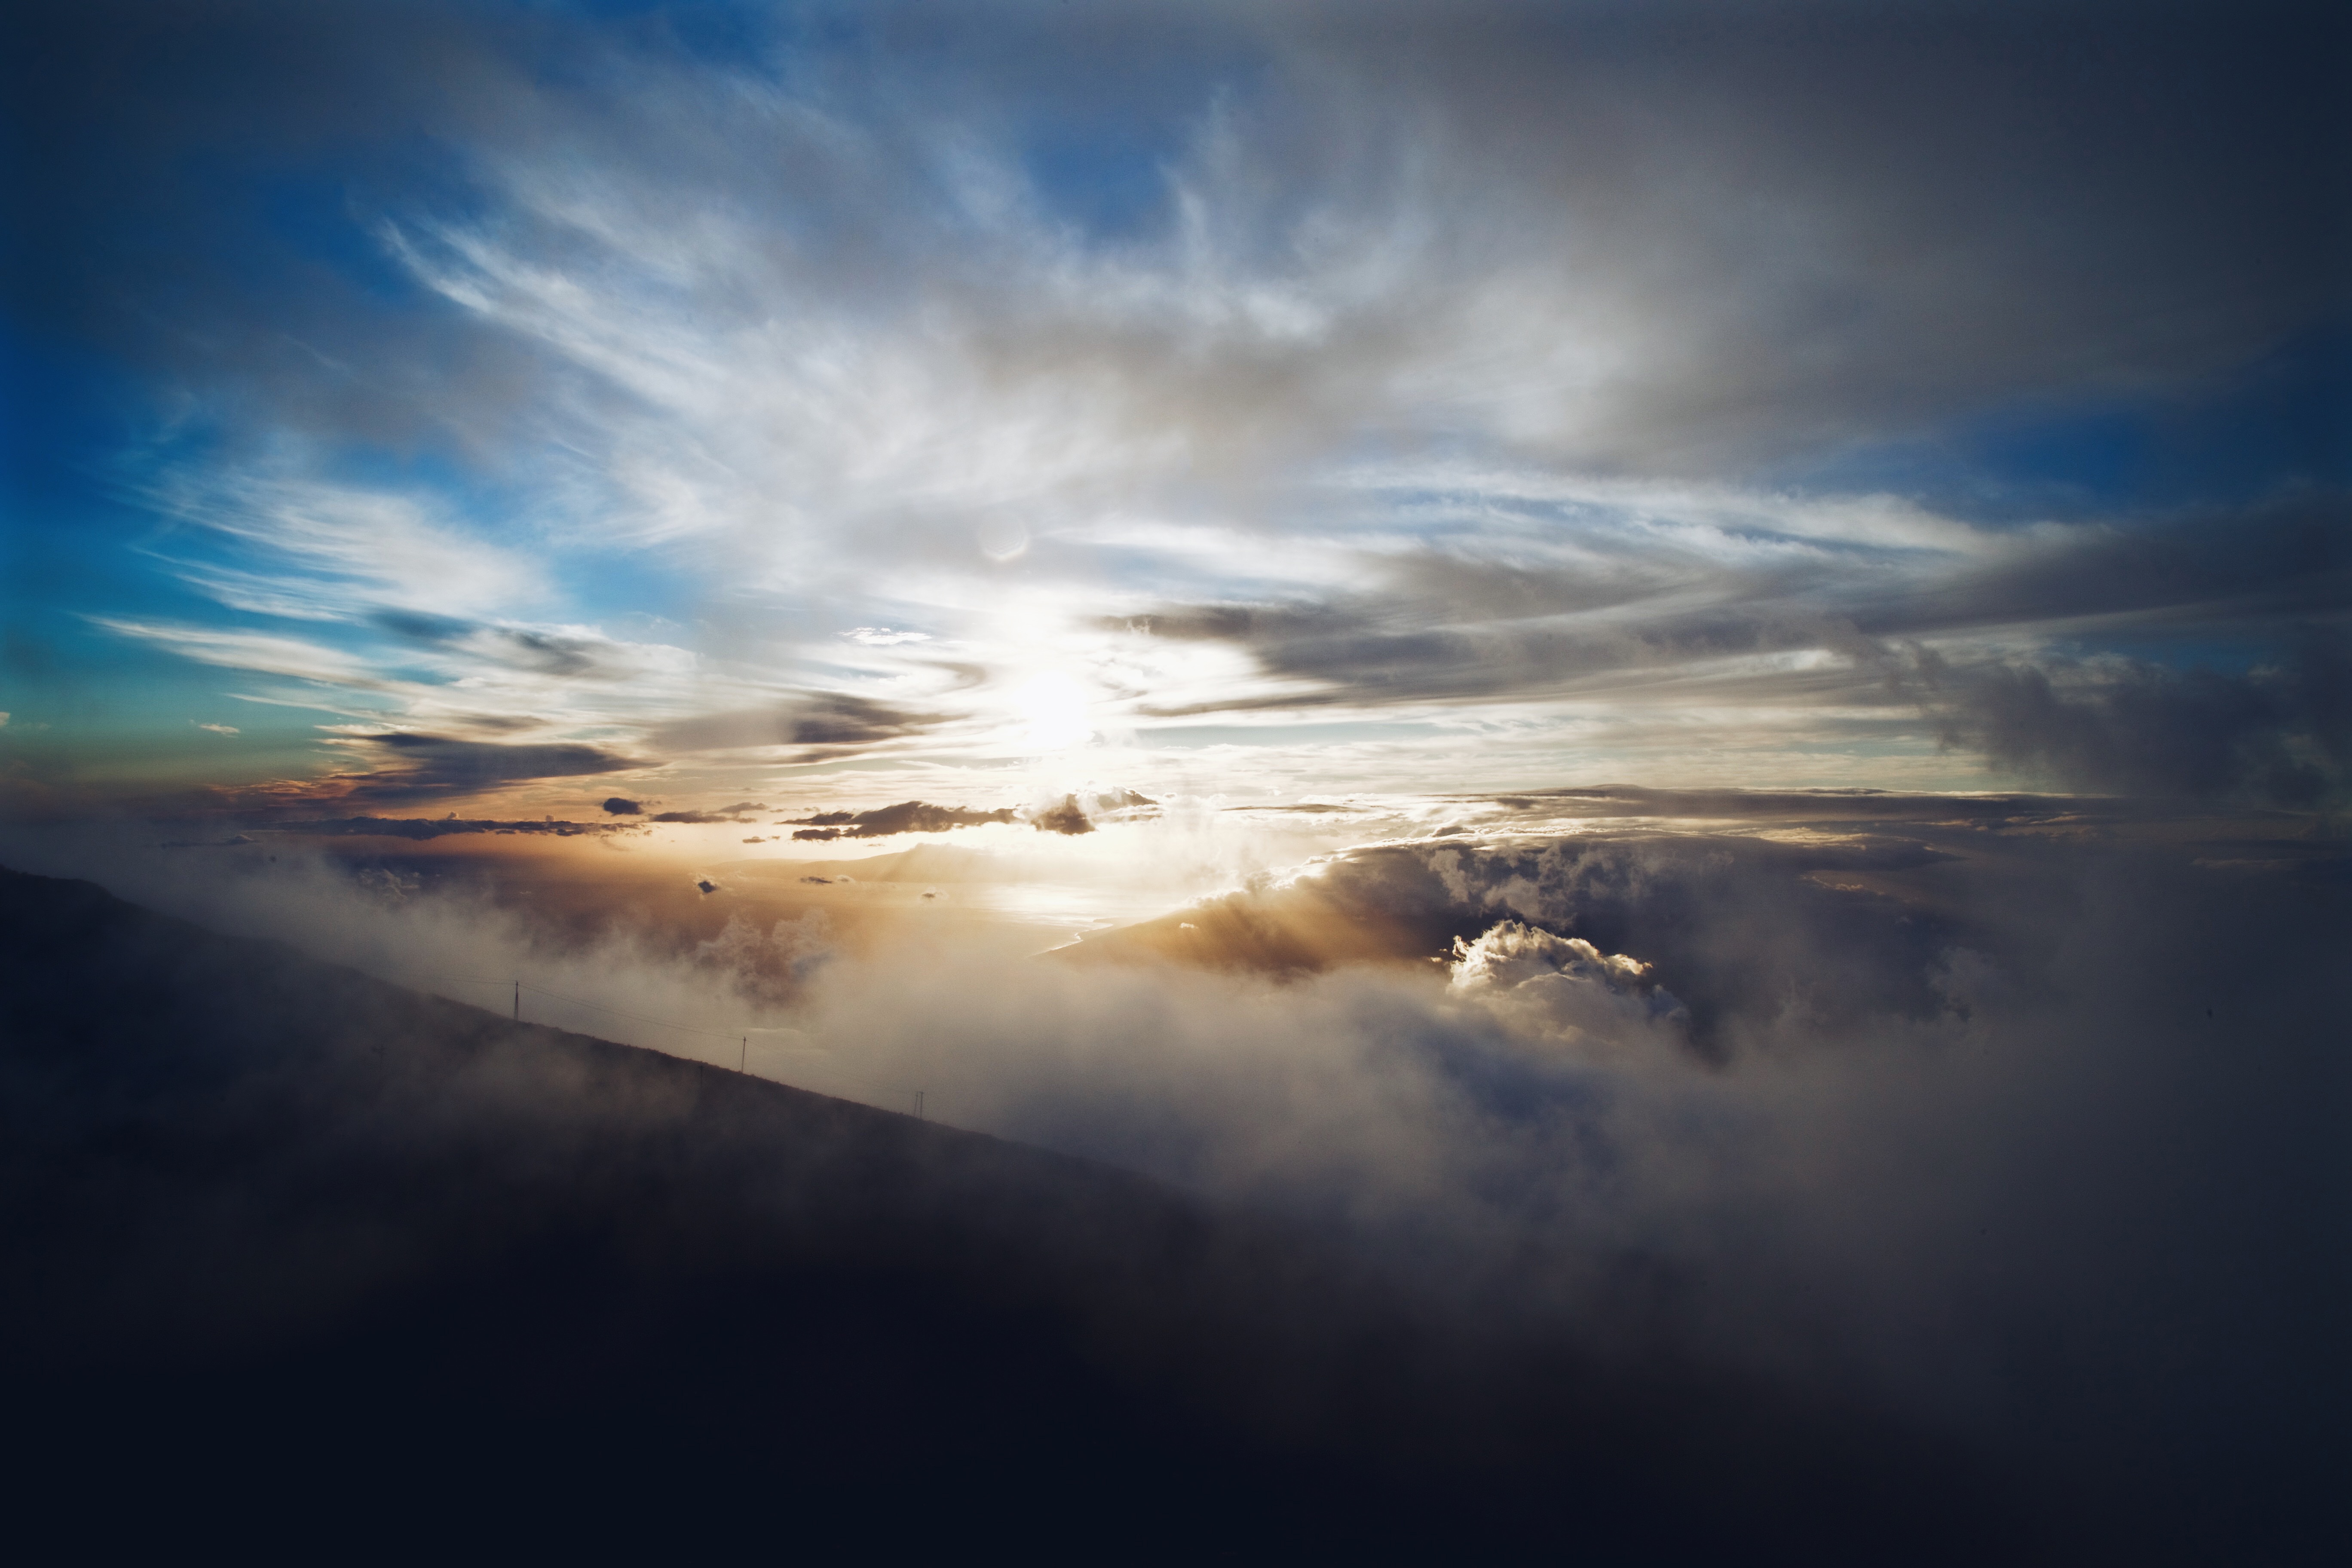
pixel 1055 709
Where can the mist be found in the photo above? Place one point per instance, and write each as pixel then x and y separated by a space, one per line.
pixel 2016 1127
pixel 1299 742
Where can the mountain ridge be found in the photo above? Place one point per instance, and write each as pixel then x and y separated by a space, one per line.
pixel 291 1241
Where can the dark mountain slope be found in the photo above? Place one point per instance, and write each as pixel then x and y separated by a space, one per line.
pixel 299 1260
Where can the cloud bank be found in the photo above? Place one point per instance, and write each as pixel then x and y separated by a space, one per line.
pixel 2279 735
pixel 2010 1117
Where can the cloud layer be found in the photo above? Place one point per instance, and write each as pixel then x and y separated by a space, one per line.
pixel 1231 390
pixel 2007 1117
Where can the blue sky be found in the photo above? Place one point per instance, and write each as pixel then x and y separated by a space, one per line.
pixel 816 402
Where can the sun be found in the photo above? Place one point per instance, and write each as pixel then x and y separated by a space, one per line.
pixel 1057 711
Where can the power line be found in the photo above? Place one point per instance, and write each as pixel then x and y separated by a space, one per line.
pixel 828 1070
pixel 520 986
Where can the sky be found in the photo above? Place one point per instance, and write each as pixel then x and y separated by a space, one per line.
pixel 1681 669
pixel 502 408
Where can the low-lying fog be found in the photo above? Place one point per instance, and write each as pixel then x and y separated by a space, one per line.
pixel 2016 1116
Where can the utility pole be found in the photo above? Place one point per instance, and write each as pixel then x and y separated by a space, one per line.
pixel 743 1064
pixel 517 1001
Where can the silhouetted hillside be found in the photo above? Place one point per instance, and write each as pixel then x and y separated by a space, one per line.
pixel 304 1260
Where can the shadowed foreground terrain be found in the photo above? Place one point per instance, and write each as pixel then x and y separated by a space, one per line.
pixel 302 1260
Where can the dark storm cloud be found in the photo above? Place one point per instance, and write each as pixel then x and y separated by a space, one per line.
pixel 1374 662
pixel 882 822
pixel 2176 577
pixel 1817 806
pixel 1071 813
pixel 827 724
pixel 2279 734
pixel 414 827
pixel 721 813
pixel 418 766
pixel 1448 630
pixel 459 761
pixel 620 806
pixel 1065 816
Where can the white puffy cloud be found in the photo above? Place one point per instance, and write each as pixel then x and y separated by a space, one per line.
pixel 1562 984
